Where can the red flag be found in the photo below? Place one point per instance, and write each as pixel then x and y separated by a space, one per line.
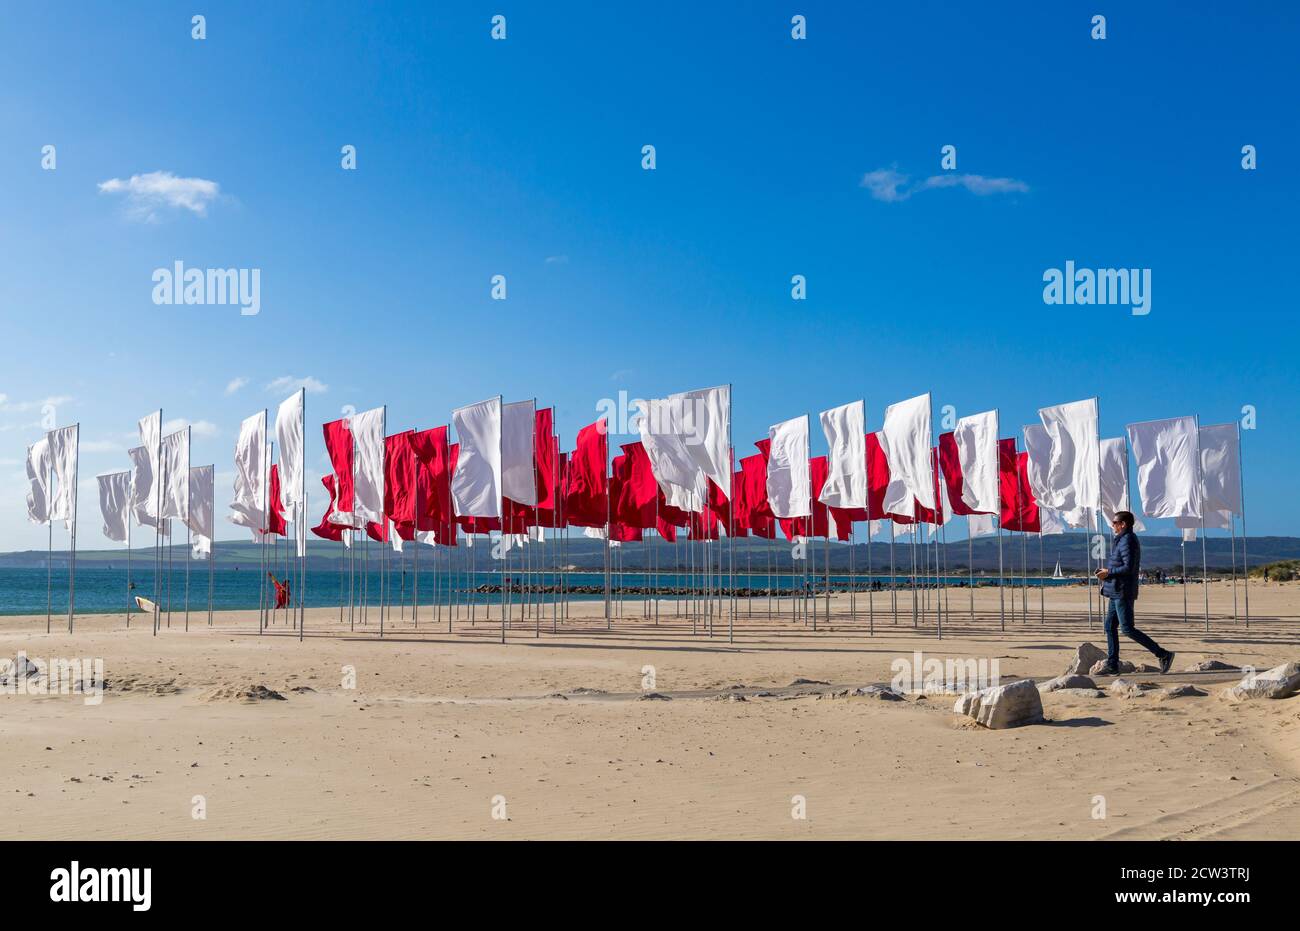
pixel 818 469
pixel 325 530
pixel 399 478
pixel 1019 506
pixel 545 450
pixel 586 496
pixel 877 477
pixel 950 462
pixel 275 519
pixel 753 478
pixel 638 491
pixel 433 485
pixel 338 445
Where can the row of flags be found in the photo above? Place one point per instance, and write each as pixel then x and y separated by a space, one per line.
pixel 507 473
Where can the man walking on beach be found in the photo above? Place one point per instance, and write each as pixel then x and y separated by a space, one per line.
pixel 1119 583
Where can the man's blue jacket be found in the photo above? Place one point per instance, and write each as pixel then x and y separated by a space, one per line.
pixel 1124 564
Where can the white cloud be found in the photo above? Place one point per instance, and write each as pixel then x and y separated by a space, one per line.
pixel 23 407
pixel 977 184
pixel 148 193
pixel 291 383
pixel 235 384
pixel 892 186
pixel 557 260
pixel 883 183
pixel 101 446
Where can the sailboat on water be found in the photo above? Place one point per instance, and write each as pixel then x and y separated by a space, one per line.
pixel 1057 574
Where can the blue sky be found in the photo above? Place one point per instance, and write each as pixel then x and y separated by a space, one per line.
pixel 523 158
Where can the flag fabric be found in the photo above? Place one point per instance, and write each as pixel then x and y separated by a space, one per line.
pixel 248 509
pixel 982 525
pixel 399 478
pixel 546 456
pixel 63 469
pixel 846 480
pixel 1050 521
pixel 150 427
pixel 877 476
pixel 518 463
pixel 201 520
pixel 638 492
pixel 753 476
pixel 434 513
pixel 176 475
pixel 1072 471
pixel 950 468
pixel 327 529
pixel 1214 520
pixel 115 504
pixel 476 482
pixel 1221 467
pixel 1038 446
pixel 789 482
pixel 905 438
pixel 289 437
pixel 275 522
pixel 38 478
pixel 338 447
pixel 1167 454
pixel 586 496
pixel 368 465
pixel 664 425
pixel 708 441
pixel 1114 480
pixel 976 441
pixel 1019 509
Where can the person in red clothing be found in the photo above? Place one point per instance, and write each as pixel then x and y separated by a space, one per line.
pixel 281 591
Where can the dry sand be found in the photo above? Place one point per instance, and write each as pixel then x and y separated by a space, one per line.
pixel 438 726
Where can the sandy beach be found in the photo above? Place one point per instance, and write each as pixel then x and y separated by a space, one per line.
pixel 442 731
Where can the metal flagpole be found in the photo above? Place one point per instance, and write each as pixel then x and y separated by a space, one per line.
pixel 1183 546
pixel 1205 566
pixel 49 547
pixel 1042 588
pixel 72 564
pixel 1245 564
pixel 1232 529
pixel 130 508
pixel 189 534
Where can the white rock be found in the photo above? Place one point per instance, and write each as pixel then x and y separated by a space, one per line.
pixel 1082 693
pixel 1085 657
pixel 1279 682
pixel 1179 691
pixel 1012 705
pixel 1124 666
pixel 1067 682
pixel 966 703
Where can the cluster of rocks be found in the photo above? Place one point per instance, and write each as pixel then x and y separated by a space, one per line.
pixel 1279 682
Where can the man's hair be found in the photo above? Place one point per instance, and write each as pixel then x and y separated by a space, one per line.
pixel 1126 518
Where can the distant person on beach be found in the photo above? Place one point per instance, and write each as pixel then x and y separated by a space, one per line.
pixel 1119 582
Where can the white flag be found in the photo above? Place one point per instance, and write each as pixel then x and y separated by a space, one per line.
pixel 1038 460
pixel 251 474
pixel 663 429
pixel 1072 472
pixel 1050 521
pixel 176 474
pixel 1221 467
pixel 1114 480
pixel 115 504
pixel 202 504
pixel 151 440
pixel 518 423
pixel 368 453
pixel 476 483
pixel 1167 454
pixel 708 419
pixel 63 465
pixel 905 440
pixel 288 435
pixel 38 476
pixel 902 530
pixel 846 476
pixel 982 525
pixel 789 485
pixel 976 438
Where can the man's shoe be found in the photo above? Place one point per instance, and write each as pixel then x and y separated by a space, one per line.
pixel 1107 671
pixel 1166 662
